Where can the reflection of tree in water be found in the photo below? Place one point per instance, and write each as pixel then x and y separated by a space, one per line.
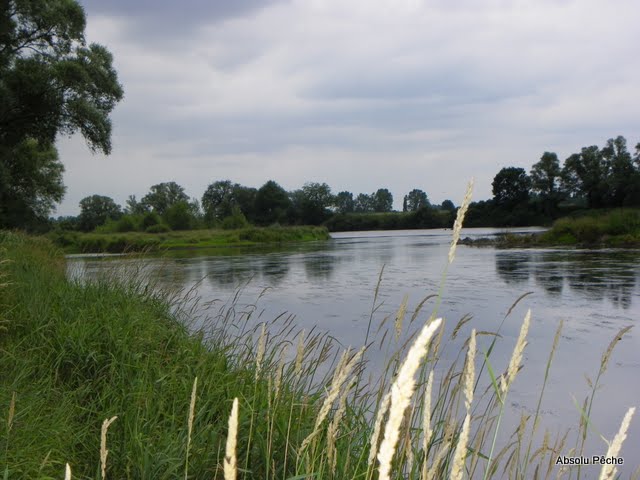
pixel 549 274
pixel 605 275
pixel 319 266
pixel 274 268
pixel 513 267
pixel 596 274
pixel 225 273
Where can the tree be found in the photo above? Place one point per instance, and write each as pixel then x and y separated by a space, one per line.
pixel 271 204
pixel 222 196
pixel 415 200
pixel 545 175
pixel 95 210
pixel 134 207
pixel 448 205
pixel 179 215
pixel 622 177
pixel 545 182
pixel 311 203
pixel 382 200
pixel 344 202
pixel 363 203
pixel 164 195
pixel 217 200
pixel 51 83
pixel 30 183
pixel 584 174
pixel 511 187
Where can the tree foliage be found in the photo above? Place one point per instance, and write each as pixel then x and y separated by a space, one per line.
pixel 344 202
pixel 415 200
pixel 311 203
pixel 271 203
pixel 511 187
pixel 545 175
pixel 51 83
pixel 163 196
pixel 30 183
pixel 382 200
pixel 95 210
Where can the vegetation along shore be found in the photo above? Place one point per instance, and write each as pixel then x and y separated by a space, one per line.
pixel 95 242
pixel 619 228
pixel 111 379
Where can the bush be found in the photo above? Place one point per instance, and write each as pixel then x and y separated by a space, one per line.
pixel 179 216
pixel 126 223
pixel 159 228
pixel 235 220
pixel 149 219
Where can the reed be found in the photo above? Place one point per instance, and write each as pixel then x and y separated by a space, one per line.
pixel 123 348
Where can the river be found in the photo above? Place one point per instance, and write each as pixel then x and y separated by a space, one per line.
pixel 330 285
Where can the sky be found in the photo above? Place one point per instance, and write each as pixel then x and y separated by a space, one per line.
pixel 360 94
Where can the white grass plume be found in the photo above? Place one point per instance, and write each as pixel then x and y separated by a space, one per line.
pixel 516 357
pixel 377 426
pixel 103 445
pixel 426 422
pixel 461 450
pixel 457 226
pixel 230 459
pixel 192 409
pixel 401 392
pixel 609 471
pixel 343 370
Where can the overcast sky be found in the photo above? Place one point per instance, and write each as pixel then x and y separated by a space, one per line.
pixel 360 94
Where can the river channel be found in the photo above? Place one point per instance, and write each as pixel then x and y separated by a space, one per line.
pixel 330 286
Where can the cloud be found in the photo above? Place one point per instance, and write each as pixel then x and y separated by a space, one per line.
pixel 358 93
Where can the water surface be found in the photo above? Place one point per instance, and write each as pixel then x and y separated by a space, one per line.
pixel 330 286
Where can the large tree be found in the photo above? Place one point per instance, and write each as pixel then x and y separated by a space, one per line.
pixel 545 182
pixel 584 175
pixel 382 200
pixel 51 82
pixel 95 210
pixel 271 203
pixel 511 187
pixel 311 203
pixel 163 196
pixel 623 182
pixel 344 202
pixel 415 200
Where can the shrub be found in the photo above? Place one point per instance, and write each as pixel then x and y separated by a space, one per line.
pixel 235 220
pixel 158 228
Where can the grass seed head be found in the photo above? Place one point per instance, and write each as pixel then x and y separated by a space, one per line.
pixel 230 459
pixel 401 392
pixel 609 471
pixel 103 445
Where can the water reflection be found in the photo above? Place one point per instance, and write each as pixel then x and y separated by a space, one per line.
pixel 319 266
pixel 597 274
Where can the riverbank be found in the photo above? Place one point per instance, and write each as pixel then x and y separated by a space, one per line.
pixel 77 242
pixel 609 229
pixel 76 354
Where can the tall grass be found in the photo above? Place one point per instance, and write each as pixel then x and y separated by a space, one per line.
pixel 215 391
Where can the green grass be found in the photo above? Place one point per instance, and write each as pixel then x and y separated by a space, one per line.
pixel 76 242
pixel 73 355
pixel 592 228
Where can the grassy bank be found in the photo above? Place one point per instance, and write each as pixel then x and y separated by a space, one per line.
pixel 74 355
pixel 76 242
pixel 594 228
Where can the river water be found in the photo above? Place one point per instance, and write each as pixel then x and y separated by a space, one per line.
pixel 330 286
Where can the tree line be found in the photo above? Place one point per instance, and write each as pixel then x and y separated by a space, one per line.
pixel 594 178
pixel 226 204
